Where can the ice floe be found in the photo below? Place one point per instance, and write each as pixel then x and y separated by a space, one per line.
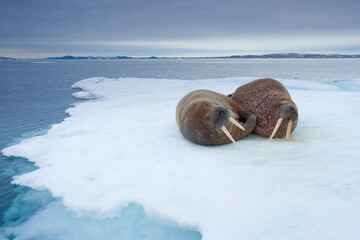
pixel 124 147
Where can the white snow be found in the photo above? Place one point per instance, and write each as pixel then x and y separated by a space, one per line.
pixel 125 147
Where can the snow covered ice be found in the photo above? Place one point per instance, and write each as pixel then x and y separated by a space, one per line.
pixel 123 146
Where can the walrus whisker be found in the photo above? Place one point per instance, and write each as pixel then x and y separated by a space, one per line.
pixel 288 131
pixel 223 128
pixel 276 128
pixel 236 123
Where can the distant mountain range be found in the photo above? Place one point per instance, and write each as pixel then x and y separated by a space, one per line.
pixel 6 58
pixel 295 55
pixel 88 57
pixel 273 55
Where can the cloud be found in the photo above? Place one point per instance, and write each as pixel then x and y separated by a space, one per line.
pixel 187 24
pixel 319 43
pixel 250 43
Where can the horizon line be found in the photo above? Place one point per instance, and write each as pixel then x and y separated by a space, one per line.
pixel 83 57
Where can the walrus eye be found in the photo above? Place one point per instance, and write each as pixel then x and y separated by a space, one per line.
pixel 207 118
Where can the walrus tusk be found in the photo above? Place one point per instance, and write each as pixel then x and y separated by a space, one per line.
pixel 276 128
pixel 223 128
pixel 288 131
pixel 236 123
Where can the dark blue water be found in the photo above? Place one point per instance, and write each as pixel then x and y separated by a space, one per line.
pixel 33 96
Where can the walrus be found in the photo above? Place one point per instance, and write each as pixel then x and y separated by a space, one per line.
pixel 209 118
pixel 277 115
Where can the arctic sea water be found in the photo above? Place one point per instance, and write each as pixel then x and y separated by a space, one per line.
pixel 35 94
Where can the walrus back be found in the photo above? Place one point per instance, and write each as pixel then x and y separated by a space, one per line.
pixel 259 92
pixel 203 95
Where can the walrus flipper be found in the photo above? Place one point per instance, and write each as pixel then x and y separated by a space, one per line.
pixel 249 123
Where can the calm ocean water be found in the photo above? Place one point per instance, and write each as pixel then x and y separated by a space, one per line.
pixel 35 94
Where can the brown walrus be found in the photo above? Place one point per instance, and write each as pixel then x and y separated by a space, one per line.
pixel 209 118
pixel 268 99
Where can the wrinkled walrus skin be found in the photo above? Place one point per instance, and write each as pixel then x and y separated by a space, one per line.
pixel 269 100
pixel 201 114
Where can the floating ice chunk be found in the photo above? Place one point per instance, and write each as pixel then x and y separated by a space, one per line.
pixel 126 148
pixel 83 95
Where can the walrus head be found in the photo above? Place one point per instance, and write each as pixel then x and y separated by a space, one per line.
pixel 217 117
pixel 206 123
pixel 288 114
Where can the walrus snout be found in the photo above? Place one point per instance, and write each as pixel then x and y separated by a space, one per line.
pixel 288 113
pixel 218 117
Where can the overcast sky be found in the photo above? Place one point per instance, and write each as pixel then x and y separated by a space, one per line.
pixel 39 28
